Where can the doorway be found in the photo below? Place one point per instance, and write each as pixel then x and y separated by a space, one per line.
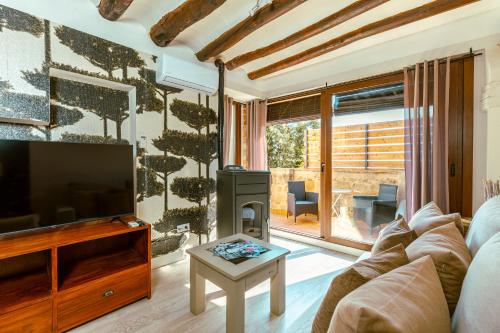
pixel 293 150
pixel 362 154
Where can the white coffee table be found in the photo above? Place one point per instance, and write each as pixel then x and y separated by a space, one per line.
pixel 235 279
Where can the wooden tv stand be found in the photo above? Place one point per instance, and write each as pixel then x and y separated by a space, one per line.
pixel 57 279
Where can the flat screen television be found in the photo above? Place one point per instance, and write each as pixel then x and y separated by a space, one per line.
pixel 47 184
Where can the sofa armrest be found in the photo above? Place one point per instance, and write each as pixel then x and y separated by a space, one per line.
pixel 312 196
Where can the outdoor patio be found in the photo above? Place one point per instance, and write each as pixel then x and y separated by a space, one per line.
pixel 341 227
pixel 353 174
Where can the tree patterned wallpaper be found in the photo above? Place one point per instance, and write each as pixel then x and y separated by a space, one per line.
pixel 175 130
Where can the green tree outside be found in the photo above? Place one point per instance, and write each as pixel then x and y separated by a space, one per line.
pixel 286 143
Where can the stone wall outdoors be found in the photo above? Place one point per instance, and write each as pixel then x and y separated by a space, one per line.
pixel 363 182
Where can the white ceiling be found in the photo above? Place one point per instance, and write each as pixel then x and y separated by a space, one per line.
pixel 133 27
pixel 147 13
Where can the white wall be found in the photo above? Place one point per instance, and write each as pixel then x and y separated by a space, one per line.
pixel 479 134
pixel 491 105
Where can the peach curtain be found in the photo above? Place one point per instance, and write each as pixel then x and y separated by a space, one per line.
pixel 427 94
pixel 256 129
pixel 228 128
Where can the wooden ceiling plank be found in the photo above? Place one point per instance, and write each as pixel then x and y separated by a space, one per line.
pixel 232 36
pixel 430 9
pixel 179 19
pixel 343 15
pixel 113 9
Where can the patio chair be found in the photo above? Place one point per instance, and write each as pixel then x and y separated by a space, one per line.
pixel 376 210
pixel 301 202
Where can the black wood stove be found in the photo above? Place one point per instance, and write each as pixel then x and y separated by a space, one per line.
pixel 243 202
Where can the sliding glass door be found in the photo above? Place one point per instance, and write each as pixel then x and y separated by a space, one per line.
pixel 357 169
pixel 362 159
pixel 293 153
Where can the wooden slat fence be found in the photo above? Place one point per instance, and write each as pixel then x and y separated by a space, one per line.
pixel 377 146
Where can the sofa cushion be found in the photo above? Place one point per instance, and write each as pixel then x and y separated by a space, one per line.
pixel 484 225
pixel 430 216
pixel 447 248
pixel 478 309
pixel 397 232
pixel 408 299
pixel 353 277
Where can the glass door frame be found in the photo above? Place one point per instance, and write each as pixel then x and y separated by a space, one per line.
pixel 326 152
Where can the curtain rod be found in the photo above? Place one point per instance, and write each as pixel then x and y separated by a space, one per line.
pixel 244 103
pixel 293 97
pixel 319 90
pixel 452 58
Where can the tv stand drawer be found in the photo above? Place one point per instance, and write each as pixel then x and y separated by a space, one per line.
pixel 99 297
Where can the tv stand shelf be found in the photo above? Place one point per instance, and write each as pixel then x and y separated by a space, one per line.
pixel 27 289
pixel 90 269
pixel 60 278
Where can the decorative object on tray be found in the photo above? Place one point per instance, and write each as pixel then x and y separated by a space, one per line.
pixel 238 250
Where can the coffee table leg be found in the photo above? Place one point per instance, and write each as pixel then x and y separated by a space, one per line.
pixel 235 307
pixel 278 289
pixel 197 289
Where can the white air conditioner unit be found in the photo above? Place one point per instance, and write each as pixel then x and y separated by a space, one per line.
pixel 183 74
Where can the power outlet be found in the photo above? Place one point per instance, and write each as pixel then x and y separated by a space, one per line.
pixel 183 227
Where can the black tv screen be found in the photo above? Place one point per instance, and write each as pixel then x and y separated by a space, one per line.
pixel 45 184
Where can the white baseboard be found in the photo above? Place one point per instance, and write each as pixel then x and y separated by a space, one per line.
pixel 168 258
pixel 317 242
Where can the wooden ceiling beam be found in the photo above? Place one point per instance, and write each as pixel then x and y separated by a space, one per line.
pixel 343 15
pixel 430 9
pixel 113 9
pixel 179 19
pixel 232 36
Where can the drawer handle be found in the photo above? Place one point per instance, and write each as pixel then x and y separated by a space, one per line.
pixel 108 293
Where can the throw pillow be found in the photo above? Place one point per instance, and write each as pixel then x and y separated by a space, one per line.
pixel 451 257
pixel 397 232
pixel 430 216
pixel 484 225
pixel 353 277
pixel 478 308
pixel 408 299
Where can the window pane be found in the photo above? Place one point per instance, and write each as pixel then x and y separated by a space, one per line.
pixel 367 161
pixel 293 150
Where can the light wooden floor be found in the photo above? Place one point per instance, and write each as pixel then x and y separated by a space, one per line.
pixel 305 224
pixel 309 272
pixel 342 226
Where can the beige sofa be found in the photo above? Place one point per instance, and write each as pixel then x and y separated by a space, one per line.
pixel 478 309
